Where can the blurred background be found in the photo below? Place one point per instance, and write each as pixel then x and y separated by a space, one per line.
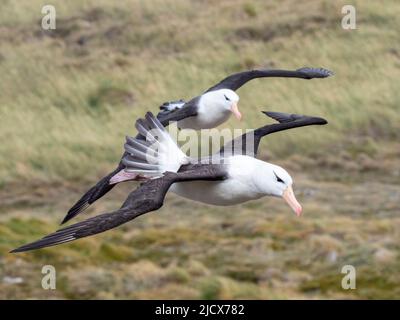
pixel 69 96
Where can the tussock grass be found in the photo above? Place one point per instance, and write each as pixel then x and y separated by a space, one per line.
pixel 68 98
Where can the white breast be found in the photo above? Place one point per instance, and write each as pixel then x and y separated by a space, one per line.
pixel 238 188
pixel 209 115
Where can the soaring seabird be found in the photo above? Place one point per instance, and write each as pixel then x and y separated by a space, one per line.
pixel 215 105
pixel 235 178
pixel 207 110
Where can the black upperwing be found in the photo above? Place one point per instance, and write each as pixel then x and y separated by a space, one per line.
pixel 189 109
pixel 247 144
pixel 235 81
pixel 148 197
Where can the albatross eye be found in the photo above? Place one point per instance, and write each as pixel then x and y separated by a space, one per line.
pixel 226 98
pixel 278 179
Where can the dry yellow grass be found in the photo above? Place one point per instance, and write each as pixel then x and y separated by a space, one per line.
pixel 65 107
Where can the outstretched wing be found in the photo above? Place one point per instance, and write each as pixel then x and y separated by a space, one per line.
pixel 148 197
pixel 96 192
pixel 189 109
pixel 247 144
pixel 235 81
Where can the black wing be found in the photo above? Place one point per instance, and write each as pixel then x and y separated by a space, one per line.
pixel 247 144
pixel 235 81
pixel 96 192
pixel 149 196
pixel 189 109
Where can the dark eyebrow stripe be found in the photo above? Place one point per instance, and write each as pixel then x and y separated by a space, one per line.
pixel 278 178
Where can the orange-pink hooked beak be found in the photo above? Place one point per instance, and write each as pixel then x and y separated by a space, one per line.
pixel 291 200
pixel 235 111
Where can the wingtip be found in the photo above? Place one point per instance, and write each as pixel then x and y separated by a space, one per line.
pixel 74 211
pixel 24 248
pixel 322 121
pixel 65 220
pixel 316 72
pixel 319 120
pixel 50 240
pixel 328 73
pixel 19 249
pixel 268 113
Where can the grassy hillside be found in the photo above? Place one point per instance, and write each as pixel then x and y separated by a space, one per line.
pixel 68 97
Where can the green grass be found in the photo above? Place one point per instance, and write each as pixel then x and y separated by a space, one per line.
pixel 64 104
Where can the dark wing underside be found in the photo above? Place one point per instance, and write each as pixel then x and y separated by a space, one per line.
pixel 96 192
pixel 148 197
pixel 247 144
pixel 235 81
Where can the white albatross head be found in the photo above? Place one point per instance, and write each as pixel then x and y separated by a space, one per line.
pixel 276 181
pixel 223 99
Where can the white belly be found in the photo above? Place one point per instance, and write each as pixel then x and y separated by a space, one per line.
pixel 239 187
pixel 205 120
pixel 219 193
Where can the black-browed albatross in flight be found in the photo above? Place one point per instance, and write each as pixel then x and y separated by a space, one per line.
pixel 238 178
pixel 207 110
